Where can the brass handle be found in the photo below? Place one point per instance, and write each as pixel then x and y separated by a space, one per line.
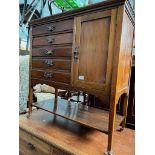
pixel 48 62
pixel 76 53
pixel 51 27
pixel 30 146
pixel 48 74
pixel 48 52
pixel 50 39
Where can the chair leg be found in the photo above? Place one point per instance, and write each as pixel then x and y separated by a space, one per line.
pixel 78 97
pixel 56 96
pixel 84 98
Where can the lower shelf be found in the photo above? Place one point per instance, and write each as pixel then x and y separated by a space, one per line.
pixel 77 112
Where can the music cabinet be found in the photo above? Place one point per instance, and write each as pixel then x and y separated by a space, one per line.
pixel 86 49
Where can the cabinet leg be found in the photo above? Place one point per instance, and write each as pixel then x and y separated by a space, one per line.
pixel 125 107
pixel 30 102
pixel 56 96
pixel 112 114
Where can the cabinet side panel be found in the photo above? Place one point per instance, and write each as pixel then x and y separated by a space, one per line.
pixel 125 54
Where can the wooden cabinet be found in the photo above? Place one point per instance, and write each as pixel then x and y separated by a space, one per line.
pixel 86 49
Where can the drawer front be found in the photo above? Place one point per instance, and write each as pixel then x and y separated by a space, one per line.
pixel 52 64
pixel 51 75
pixel 65 38
pixel 53 27
pixel 52 51
pixel 56 151
pixel 30 145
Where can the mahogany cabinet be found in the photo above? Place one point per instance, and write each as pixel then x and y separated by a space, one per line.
pixel 86 49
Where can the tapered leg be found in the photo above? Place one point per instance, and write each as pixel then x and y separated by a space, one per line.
pixel 56 96
pixel 30 102
pixel 112 113
pixel 125 107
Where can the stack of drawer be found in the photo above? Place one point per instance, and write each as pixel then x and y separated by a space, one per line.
pixel 52 50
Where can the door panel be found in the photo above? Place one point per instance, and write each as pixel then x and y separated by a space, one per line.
pixel 92 50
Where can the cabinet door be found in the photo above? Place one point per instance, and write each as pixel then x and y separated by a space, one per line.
pixel 93 50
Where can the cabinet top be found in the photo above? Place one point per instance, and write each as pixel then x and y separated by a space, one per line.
pixel 107 4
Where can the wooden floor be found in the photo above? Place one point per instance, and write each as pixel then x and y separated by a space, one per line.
pixel 75 138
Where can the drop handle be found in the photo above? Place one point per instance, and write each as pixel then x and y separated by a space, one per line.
pixel 48 74
pixel 48 62
pixel 48 52
pixel 30 146
pixel 76 53
pixel 50 39
pixel 51 27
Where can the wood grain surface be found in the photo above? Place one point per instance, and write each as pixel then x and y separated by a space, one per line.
pixel 73 138
pixel 88 116
pixel 57 27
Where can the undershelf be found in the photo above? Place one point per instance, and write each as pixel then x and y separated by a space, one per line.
pixel 77 112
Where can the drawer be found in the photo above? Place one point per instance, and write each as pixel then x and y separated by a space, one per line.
pixel 30 145
pixel 51 75
pixel 53 51
pixel 56 151
pixel 54 27
pixel 51 64
pixel 65 38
